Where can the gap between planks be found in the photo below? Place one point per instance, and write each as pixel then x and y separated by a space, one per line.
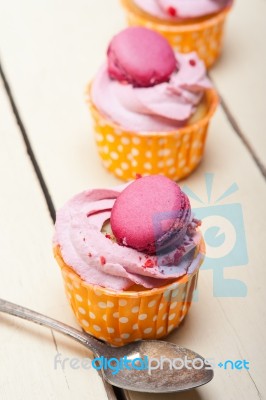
pixel 30 152
pixel 112 393
pixel 236 128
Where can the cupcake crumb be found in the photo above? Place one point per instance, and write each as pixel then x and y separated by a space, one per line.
pixel 149 263
pixel 172 11
pixel 192 62
pixel 102 260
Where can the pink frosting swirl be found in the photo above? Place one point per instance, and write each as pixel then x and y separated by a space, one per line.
pixel 101 261
pixel 163 107
pixel 175 10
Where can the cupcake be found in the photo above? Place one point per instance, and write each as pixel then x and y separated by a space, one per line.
pixel 188 25
pixel 151 107
pixel 129 258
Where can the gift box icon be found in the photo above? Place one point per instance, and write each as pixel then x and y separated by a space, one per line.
pixel 224 235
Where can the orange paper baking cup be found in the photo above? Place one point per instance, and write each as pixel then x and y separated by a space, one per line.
pixel 174 154
pixel 205 37
pixel 121 317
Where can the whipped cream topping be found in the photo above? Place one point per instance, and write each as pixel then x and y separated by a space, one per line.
pixel 163 107
pixel 181 9
pixel 101 261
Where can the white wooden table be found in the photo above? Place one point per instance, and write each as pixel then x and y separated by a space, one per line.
pixel 49 51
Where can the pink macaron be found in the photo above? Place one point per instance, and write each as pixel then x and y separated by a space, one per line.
pixel 151 215
pixel 141 57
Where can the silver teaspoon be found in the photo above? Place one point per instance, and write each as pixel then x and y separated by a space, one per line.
pixel 160 380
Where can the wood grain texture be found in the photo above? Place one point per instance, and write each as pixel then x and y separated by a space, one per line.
pixel 239 75
pixel 30 277
pixel 51 50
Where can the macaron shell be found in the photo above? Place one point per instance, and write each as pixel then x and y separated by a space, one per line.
pixel 174 236
pixel 141 57
pixel 205 35
pixel 145 211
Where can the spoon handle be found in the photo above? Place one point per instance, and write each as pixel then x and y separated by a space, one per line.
pixel 88 341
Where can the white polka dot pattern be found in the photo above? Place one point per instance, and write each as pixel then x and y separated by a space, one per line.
pixel 126 317
pixel 175 155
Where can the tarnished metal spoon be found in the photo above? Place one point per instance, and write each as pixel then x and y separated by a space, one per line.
pixel 189 370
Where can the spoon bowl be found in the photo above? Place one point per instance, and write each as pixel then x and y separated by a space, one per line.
pixel 155 366
pixel 152 366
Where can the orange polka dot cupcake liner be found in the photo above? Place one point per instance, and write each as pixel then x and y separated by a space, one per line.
pixel 126 316
pixel 205 37
pixel 174 154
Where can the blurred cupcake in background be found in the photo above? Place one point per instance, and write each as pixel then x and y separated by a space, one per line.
pixel 151 107
pixel 188 25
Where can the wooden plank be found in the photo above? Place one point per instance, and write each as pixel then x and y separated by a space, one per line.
pixel 59 48
pixel 48 69
pixel 30 277
pixel 239 75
